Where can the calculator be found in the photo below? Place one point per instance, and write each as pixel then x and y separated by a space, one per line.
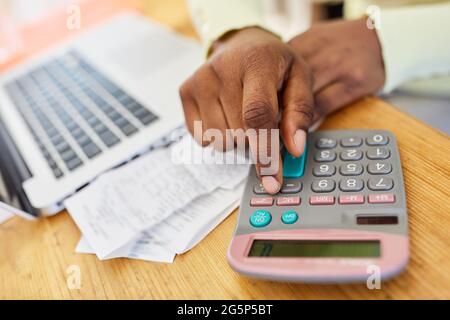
pixel 340 215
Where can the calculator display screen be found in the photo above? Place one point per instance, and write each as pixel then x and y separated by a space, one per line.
pixel 315 248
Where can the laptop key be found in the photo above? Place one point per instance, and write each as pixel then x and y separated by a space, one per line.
pixel 84 140
pixel 68 155
pixel 128 129
pixel 109 138
pixel 74 163
pixel 62 147
pixel 91 150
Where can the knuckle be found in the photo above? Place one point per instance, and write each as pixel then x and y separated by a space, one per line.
pixel 304 109
pixel 184 90
pixel 262 56
pixel 357 75
pixel 258 114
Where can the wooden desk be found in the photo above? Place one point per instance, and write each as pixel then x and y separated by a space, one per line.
pixel 34 256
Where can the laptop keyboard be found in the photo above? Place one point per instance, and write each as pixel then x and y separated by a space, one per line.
pixel 74 112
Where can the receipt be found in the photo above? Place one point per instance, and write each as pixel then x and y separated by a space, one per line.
pixel 133 203
pixel 181 231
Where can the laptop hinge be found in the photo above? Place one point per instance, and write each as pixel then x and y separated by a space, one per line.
pixel 14 170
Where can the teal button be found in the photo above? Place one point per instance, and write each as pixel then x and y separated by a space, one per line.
pixel 289 217
pixel 260 218
pixel 293 167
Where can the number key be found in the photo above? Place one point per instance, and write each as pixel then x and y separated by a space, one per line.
pixel 324 170
pixel 351 184
pixel 351 169
pixel 379 168
pixel 380 184
pixel 325 156
pixel 324 185
pixel 351 155
pixel 378 153
pixel 377 140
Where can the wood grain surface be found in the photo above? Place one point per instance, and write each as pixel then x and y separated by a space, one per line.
pixel 34 256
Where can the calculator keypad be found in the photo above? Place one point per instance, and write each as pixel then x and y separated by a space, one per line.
pixel 352 171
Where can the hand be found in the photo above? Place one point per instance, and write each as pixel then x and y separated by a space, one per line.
pixel 346 61
pixel 248 76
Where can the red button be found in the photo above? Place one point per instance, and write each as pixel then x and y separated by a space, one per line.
pixel 261 202
pixel 321 200
pixel 351 199
pixel 288 201
pixel 382 198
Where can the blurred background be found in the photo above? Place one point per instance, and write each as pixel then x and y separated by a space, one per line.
pixel 415 98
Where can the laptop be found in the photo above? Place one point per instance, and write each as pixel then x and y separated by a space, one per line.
pixel 88 105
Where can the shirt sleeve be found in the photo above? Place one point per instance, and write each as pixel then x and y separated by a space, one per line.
pixel 214 18
pixel 415 42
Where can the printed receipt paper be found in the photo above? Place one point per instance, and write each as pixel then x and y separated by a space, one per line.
pixel 158 205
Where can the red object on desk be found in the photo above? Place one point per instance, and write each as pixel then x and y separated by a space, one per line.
pixel 37 36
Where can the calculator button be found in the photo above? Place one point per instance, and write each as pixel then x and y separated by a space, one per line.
pixel 379 168
pixel 351 184
pixel 260 218
pixel 380 184
pixel 382 198
pixel 324 185
pixel 351 142
pixel 351 169
pixel 293 167
pixel 324 170
pixel 325 156
pixel 377 140
pixel 321 200
pixel 351 155
pixel 288 201
pixel 259 189
pixel 289 217
pixel 261 202
pixel 378 153
pixel 351 199
pixel 326 143
pixel 291 187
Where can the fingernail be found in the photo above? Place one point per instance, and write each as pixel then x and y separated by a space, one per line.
pixel 300 141
pixel 270 184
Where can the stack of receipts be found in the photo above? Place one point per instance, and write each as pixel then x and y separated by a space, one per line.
pixel 158 205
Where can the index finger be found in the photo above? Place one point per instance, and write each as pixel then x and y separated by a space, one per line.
pixel 260 117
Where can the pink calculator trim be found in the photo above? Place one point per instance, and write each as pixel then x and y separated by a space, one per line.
pixel 394 257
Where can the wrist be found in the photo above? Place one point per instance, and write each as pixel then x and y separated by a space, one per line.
pixel 243 33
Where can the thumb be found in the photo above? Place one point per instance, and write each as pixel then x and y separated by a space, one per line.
pixel 298 108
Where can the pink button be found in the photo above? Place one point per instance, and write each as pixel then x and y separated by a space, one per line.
pixel 288 201
pixel 382 198
pixel 261 202
pixel 321 200
pixel 351 199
